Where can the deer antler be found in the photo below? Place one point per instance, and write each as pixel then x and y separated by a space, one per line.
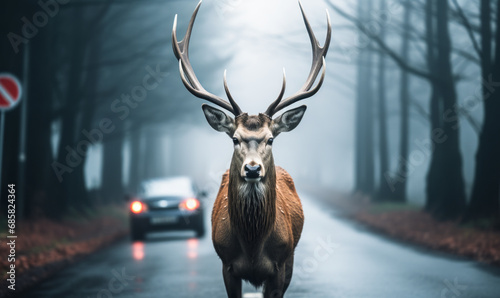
pixel 318 62
pixel 187 73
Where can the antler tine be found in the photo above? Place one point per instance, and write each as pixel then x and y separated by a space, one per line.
pixel 304 93
pixel 318 63
pixel 236 108
pixel 186 71
pixel 275 103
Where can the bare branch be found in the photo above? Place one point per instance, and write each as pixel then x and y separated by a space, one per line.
pixel 398 59
pixel 468 27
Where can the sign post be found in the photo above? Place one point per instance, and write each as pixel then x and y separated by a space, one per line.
pixel 10 96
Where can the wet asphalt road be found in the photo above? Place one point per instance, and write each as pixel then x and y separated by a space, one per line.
pixel 334 258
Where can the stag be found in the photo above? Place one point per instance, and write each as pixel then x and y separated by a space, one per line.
pixel 257 216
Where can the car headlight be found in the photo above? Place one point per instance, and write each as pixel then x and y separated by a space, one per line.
pixel 138 207
pixel 189 204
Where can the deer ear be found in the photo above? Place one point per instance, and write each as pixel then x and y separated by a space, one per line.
pixel 219 120
pixel 288 120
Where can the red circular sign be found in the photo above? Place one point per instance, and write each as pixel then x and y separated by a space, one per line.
pixel 10 91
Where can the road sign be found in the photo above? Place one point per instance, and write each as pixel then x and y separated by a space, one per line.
pixel 10 96
pixel 10 91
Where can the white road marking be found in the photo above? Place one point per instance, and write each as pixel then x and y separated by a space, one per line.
pixel 252 295
pixel 6 95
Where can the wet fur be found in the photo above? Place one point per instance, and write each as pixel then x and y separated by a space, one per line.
pixel 255 236
pixel 251 201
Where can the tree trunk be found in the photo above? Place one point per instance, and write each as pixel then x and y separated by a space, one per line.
pixel 38 131
pixel 433 173
pixel 403 161
pixel 364 179
pixel 447 189
pixel 112 169
pixel 136 159
pixel 154 155
pixel 384 191
pixel 60 185
pixel 485 201
pixel 368 125
pixel 79 191
pixel 358 178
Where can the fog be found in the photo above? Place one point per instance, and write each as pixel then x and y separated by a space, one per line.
pixel 254 42
pixel 127 43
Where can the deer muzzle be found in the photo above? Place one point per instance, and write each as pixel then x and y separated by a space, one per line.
pixel 252 172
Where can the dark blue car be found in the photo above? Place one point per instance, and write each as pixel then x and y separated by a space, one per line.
pixel 166 204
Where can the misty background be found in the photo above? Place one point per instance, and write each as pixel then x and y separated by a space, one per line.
pixel 80 67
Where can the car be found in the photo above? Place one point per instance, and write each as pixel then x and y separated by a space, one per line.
pixel 163 204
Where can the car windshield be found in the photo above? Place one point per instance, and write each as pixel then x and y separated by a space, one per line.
pixel 168 187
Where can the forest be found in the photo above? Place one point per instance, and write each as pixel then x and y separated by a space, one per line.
pixel 101 88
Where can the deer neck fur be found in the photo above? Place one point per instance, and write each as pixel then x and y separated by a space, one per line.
pixel 252 206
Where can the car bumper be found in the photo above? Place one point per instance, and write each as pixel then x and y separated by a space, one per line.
pixel 166 220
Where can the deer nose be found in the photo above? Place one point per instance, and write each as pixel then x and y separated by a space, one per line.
pixel 252 171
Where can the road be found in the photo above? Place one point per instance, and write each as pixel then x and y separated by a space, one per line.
pixel 334 258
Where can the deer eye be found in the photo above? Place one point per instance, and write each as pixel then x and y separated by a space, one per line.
pixel 235 141
pixel 270 141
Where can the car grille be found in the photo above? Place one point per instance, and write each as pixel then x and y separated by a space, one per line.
pixel 162 204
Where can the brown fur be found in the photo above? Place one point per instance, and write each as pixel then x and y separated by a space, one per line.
pixel 257 245
pixel 253 123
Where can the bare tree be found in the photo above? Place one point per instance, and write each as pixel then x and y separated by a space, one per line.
pixel 384 191
pixel 404 97
pixel 364 157
pixel 445 183
pixel 485 197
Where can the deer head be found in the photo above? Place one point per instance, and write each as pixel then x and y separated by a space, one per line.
pixel 252 135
